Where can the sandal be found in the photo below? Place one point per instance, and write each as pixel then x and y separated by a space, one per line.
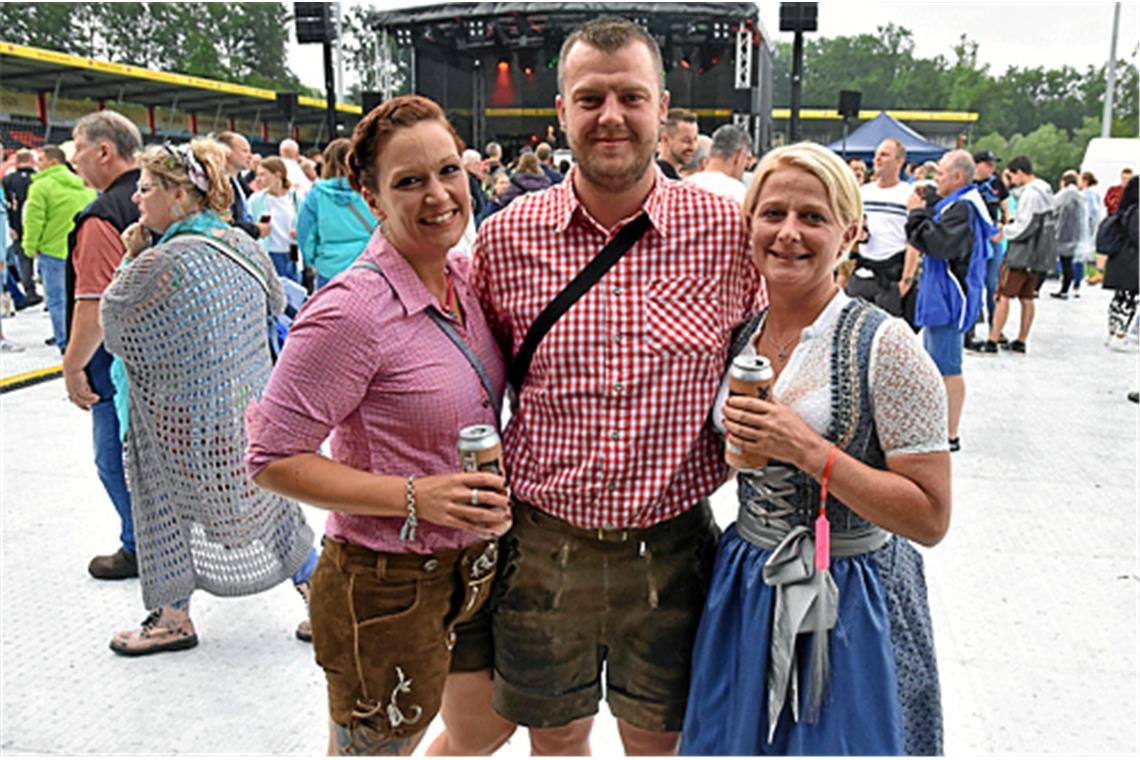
pixel 304 630
pixel 164 630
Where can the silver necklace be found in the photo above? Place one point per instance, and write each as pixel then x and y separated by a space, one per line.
pixel 783 349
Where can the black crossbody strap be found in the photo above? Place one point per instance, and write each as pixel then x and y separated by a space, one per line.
pixel 449 330
pixel 577 288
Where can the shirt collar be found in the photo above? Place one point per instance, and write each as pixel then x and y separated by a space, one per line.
pixel 826 317
pixel 567 204
pixel 410 290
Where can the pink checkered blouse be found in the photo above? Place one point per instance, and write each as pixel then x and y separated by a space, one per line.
pixel 365 361
pixel 610 429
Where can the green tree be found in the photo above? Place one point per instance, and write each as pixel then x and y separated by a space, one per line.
pixel 995 142
pixel 1050 149
pixel 364 56
pixel 884 67
pixel 239 42
pixel 54 26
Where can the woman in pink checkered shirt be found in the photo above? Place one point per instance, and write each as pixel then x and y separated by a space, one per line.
pixel 398 598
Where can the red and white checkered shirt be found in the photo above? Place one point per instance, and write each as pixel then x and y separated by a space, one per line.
pixel 610 429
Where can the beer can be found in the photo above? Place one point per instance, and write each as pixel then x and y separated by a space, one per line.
pixel 480 449
pixel 749 376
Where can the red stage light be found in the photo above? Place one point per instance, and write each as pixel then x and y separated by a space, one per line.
pixel 504 64
pixel 685 63
pixel 529 72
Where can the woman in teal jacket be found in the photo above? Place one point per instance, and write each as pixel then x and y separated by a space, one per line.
pixel 334 224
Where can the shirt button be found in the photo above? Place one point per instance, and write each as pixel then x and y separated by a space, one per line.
pixel 615 435
pixel 486 403
pixel 611 487
pixel 617 337
pixel 431 565
pixel 618 387
pixel 617 291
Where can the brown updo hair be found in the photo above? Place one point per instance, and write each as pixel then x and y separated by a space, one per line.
pixel 169 170
pixel 335 158
pixel 275 165
pixel 376 129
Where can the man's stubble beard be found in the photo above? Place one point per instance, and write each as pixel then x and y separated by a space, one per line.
pixel 616 183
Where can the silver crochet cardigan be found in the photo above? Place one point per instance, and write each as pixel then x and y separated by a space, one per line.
pixel 190 327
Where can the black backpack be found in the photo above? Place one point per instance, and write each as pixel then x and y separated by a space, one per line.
pixel 1110 235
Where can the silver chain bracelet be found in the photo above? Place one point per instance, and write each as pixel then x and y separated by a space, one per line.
pixel 408 532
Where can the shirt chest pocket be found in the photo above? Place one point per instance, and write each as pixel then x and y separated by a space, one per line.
pixel 682 315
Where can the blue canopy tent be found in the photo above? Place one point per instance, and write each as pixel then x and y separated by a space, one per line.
pixel 862 142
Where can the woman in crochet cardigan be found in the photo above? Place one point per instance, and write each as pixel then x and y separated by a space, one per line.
pixel 188 315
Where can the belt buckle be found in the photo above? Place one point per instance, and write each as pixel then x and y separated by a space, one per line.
pixel 602 535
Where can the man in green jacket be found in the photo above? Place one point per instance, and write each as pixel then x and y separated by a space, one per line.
pixel 55 196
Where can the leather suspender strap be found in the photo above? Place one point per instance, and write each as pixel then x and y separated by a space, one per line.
pixel 449 330
pixel 586 279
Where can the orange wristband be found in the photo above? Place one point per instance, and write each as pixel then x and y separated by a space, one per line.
pixel 826 477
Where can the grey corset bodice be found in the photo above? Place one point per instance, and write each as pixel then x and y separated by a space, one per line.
pixel 780 494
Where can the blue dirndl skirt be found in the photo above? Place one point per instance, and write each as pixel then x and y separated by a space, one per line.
pixel 882 695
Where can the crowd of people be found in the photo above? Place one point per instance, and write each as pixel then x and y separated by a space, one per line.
pixel 607 300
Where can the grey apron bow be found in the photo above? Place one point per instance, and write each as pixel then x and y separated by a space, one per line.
pixel 806 602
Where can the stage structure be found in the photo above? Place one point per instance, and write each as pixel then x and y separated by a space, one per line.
pixel 494 66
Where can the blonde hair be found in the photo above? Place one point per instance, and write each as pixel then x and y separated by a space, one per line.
pixel 169 168
pixel 842 193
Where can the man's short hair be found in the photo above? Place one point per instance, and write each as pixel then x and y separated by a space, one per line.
pixel 677 116
pixel 288 148
pixel 1020 164
pixel 55 153
pixel 113 127
pixel 494 149
pixel 900 149
pixel 726 140
pixel 700 154
pixel 610 34
pixel 25 156
pixel 543 151
pixel 1089 178
pixel 1069 178
pixel 471 156
pixel 228 138
pixel 962 161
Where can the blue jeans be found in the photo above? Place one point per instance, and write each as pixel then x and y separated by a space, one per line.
pixel 285 266
pixel 993 264
pixel 12 285
pixel 944 344
pixel 109 444
pixel 54 272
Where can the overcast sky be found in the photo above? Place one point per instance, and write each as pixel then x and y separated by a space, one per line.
pixel 1048 34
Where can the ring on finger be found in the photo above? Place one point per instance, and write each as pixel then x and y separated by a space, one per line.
pixel 474 497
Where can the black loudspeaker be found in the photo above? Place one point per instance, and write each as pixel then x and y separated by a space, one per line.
pixel 369 99
pixel 799 17
pixel 313 22
pixel 287 104
pixel 849 103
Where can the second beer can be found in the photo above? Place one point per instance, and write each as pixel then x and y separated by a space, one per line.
pixel 480 449
pixel 749 376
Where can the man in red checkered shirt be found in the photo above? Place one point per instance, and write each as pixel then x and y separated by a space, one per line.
pixel 609 455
